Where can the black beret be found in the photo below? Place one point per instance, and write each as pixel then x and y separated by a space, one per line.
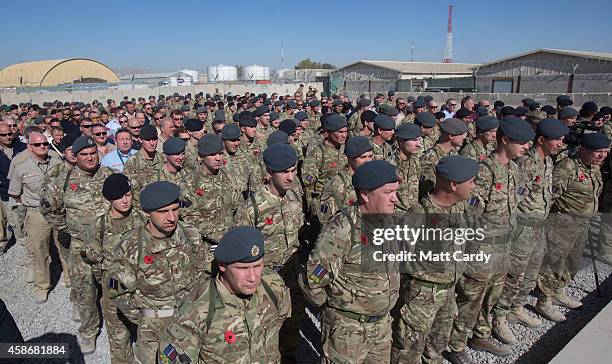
pixel 278 103
pixel 279 157
pixel 201 109
pixel 148 132
pixel 277 136
pixel 384 122
pixel 193 125
pixel 426 119
pixel 66 142
pixel 314 103
pixel 549 109
pixel 334 122
pixel 482 111
pixel 364 102
pixel 521 111
pixel 564 100
pixel 247 120
pixel 440 115
pixel 606 110
pixel 419 103
pixel 244 244
pixel 453 126
pixel 82 142
pixel 590 105
pixel 260 111
pixel 462 113
pixel 159 194
pixel 486 123
pixel 210 144
pixel 274 115
pixel 427 98
pixel 507 110
pixel 552 128
pixel 176 94
pixel 291 104
pixel 115 186
pixel 288 126
pixel 323 94
pixel 388 110
pixel 516 129
pixel 236 117
pixel 301 115
pixel 185 108
pixel 374 174
pixel 408 131
pixel 219 115
pixel 594 141
pixel 498 104
pixel 230 132
pixel 567 112
pixel 391 93
pixel 174 146
pixel 457 168
pixel 368 116
pixel 356 146
pixel 410 98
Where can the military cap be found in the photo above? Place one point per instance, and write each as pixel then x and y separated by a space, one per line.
pixel 115 186
pixel 426 119
pixel 453 126
pixel 486 123
pixel 364 102
pixel 39 120
pixel 374 174
pixel 243 244
pixel 410 99
pixel 384 122
pixel 207 95
pixel 193 125
pixel 210 144
pixel 323 94
pixel 267 102
pixel 521 111
pixel 185 108
pixel 247 120
pixel 389 110
pixel 334 122
pixel 368 116
pixel 201 109
pixel 260 111
pixel 408 131
pixel 462 113
pixel 148 132
pixel 288 126
pixel 590 106
pixel 516 129
pixel 277 136
pixel 291 105
pixel 456 168
pixel 301 115
pixel 66 142
pixel 337 102
pixel 482 111
pixel 274 115
pixel 594 141
pixel 549 109
pixel 440 115
pixel 606 110
pixel 498 104
pixel 314 103
pixel 82 142
pixel 279 157
pixel 176 94
pixel 278 103
pixel 236 117
pixel 219 115
pixel 564 100
pixel 419 103
pixel 356 146
pixel 230 132
pixel 552 128
pixel 567 112
pixel 108 101
pixel 254 100
pixel 507 110
pixel 174 146
pixel 391 93
pixel 159 194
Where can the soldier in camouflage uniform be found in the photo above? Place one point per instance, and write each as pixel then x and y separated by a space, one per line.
pixel 237 166
pixel 290 109
pixel 250 146
pixel 409 139
pixel 499 187
pixel 145 164
pixel 568 115
pixel 196 131
pixel 262 116
pixel 452 136
pixel 314 115
pixel 384 130
pixel 234 316
pixel 423 323
pixel 100 248
pixel 157 263
pixel 484 143
pixel 354 122
pixel 276 210
pixel 430 128
pixel 355 324
pixel 577 184
pixel 338 191
pixel 71 207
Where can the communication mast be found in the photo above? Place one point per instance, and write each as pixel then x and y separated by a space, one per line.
pixel 448 49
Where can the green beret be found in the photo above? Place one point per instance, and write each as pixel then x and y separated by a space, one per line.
pixel 277 136
pixel 486 123
pixel 426 119
pixel 384 122
pixel 301 115
pixel 274 115
pixel 159 194
pixel 244 244
pixel 453 126
pixel 314 103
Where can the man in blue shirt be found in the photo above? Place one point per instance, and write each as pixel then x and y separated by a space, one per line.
pixel 117 158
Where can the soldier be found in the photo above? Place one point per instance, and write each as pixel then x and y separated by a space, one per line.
pixel 314 115
pixel 172 169
pixel 408 136
pixel 24 187
pixel 484 143
pixel 384 129
pixel 70 205
pixel 466 116
pixel 577 184
pixel 354 122
pixel 210 196
pixel 338 191
pixel 498 188
pixel 305 133
pixel 195 128
pixel 157 263
pixel 422 326
pixel 234 316
pixel 103 238
pixel 237 166
pixel 290 109
pixel 527 249
pixel 429 126
pixel 568 115
pixel 147 161
pixel 324 160
pixel 262 115
pixel 202 115
pixel 355 324
pixel 453 133
pixel 250 146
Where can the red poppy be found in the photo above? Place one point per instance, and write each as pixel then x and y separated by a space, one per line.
pixel 256 152
pixel 224 162
pixel 200 191
pixel 333 164
pixel 581 177
pixel 351 202
pixel 482 157
pixel 434 220
pixel 269 220
pixel 230 337
pixel 364 239
pixel 149 259
pixel 498 186
pixel 538 178
pixel 74 186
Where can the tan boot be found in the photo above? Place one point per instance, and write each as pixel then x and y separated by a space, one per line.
pixel 519 315
pixel 88 345
pixel 545 308
pixel 489 345
pixel 29 276
pixel 40 296
pixel 561 299
pixel 502 331
pixel 456 357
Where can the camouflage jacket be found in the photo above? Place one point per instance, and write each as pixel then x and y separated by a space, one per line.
pixel 354 123
pixel 139 181
pixel 212 325
pixel 476 151
pixel 138 165
pixel 237 168
pixel 251 151
pixel 337 193
pixel 322 163
pixel 314 120
pixel 52 206
pixel 538 176
pixel 192 159
pixel 382 152
pixel 431 140
pixel 576 187
pixel 278 218
pixel 408 192
pixel 429 161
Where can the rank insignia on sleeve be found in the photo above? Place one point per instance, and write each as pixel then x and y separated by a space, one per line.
pixel 555 189
pixel 112 283
pixel 474 202
pixel 309 178
pixel 520 191
pixel 318 273
pixel 324 208
pixel 169 354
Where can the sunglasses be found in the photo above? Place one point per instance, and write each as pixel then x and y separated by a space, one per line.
pixel 76 114
pixel 100 134
pixel 185 139
pixel 453 105
pixel 12 125
pixel 45 144
pixel 134 127
pixel 157 119
pixel 177 119
pixel 5 135
pixel 87 126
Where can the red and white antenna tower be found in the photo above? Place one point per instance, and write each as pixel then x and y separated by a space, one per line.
pixel 448 48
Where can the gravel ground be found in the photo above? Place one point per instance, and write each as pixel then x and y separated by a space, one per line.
pixel 51 322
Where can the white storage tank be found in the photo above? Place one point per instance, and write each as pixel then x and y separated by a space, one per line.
pixel 221 73
pixel 285 73
pixel 181 80
pixel 255 72
pixel 193 73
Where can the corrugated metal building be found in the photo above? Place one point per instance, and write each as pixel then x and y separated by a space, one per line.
pixel 547 71
pixel 56 72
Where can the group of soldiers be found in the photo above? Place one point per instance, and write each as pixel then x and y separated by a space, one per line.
pixel 209 224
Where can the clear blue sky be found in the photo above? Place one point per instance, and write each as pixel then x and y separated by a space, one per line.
pixel 167 35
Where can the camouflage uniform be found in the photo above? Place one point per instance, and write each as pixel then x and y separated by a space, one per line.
pixel 237 169
pixel 156 274
pixel 210 312
pixel 431 140
pixel 382 152
pixel 354 123
pixel 139 181
pixel 251 151
pixel 429 160
pixel 408 191
pixel 356 325
pixel 138 166
pixel 192 159
pixel 476 151
pixel 337 193
pixel 314 120
pixel 322 163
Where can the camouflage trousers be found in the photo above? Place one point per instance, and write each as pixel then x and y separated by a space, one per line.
pixel 116 329
pixel 85 286
pixel 478 290
pixel 345 340
pixel 290 330
pixel 422 327
pixel 526 253
pixel 149 332
pixel 566 237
